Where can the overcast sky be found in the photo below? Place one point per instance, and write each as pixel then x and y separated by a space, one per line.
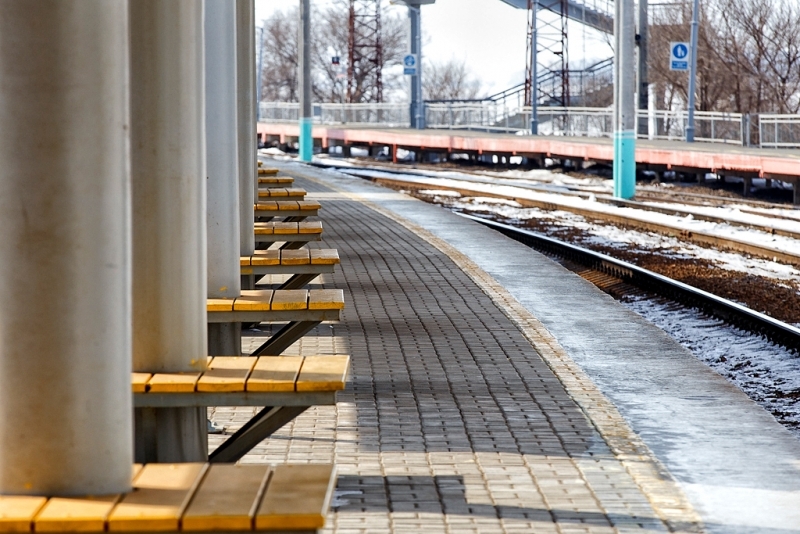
pixel 488 34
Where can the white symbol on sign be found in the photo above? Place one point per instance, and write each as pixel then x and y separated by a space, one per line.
pixel 409 61
pixel 680 51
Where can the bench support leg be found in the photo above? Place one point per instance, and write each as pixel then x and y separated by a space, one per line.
pixel 293 245
pixel 287 335
pixel 260 427
pixel 298 281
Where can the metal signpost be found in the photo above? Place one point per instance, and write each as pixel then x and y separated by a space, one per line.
pixel 412 62
pixel 692 73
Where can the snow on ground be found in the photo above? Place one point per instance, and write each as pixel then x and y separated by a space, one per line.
pixel 634 240
pixel 767 373
pixel 688 223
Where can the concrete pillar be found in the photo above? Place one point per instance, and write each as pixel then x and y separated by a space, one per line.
pixel 65 267
pixel 246 121
pixel 222 169
pixel 168 181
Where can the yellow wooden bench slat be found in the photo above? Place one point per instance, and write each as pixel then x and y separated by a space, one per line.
pixel 140 381
pixel 75 514
pixel 253 300
pixel 173 382
pixel 283 228
pixel 308 205
pixel 227 499
pixel 275 373
pixel 298 256
pixel 219 305
pixel 267 172
pixel 310 227
pixel 287 205
pixel 297 497
pixel 324 256
pixel 325 299
pixel 295 192
pixel 17 512
pixel 290 299
pixel 226 373
pixel 269 205
pixel 323 373
pixel 161 494
pixel 266 257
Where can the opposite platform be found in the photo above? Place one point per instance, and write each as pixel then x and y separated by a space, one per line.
pixel 461 419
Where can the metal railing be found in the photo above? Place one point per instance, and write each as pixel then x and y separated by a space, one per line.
pixel 507 116
pixel 391 115
pixel 779 131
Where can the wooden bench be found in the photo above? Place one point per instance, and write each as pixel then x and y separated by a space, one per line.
pixel 286 385
pixel 290 210
pixel 304 265
pixel 292 234
pixel 275 181
pixel 301 309
pixel 189 497
pixel 264 171
pixel 281 193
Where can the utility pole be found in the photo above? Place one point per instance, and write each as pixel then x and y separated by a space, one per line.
pixel 304 66
pixel 624 104
pixel 693 73
pixel 533 74
pixel 642 83
pixel 259 72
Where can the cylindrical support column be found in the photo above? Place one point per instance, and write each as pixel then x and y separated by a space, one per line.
pixel 65 401
pixel 304 75
pixel 222 169
pixel 625 106
pixel 246 121
pixel 168 177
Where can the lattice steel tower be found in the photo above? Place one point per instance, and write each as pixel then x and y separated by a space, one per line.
pixel 365 52
pixel 551 57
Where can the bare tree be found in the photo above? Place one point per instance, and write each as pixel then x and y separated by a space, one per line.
pixel 279 53
pixel 329 38
pixel 748 59
pixel 449 80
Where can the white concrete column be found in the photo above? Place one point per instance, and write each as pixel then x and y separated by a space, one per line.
pixel 65 267
pixel 222 168
pixel 168 174
pixel 246 120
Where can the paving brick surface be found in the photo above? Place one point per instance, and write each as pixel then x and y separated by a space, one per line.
pixel 452 422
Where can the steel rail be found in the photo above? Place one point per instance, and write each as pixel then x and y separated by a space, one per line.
pixel 740 316
pixel 693 236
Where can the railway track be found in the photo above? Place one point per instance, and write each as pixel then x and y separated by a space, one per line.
pixel 618 277
pixel 402 179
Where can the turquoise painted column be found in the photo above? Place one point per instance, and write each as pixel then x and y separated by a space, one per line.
pixel 306 139
pixel 624 100
pixel 304 60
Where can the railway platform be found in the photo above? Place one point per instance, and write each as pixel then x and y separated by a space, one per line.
pixel 655 155
pixel 494 391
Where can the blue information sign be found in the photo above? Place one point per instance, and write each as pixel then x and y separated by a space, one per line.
pixel 679 56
